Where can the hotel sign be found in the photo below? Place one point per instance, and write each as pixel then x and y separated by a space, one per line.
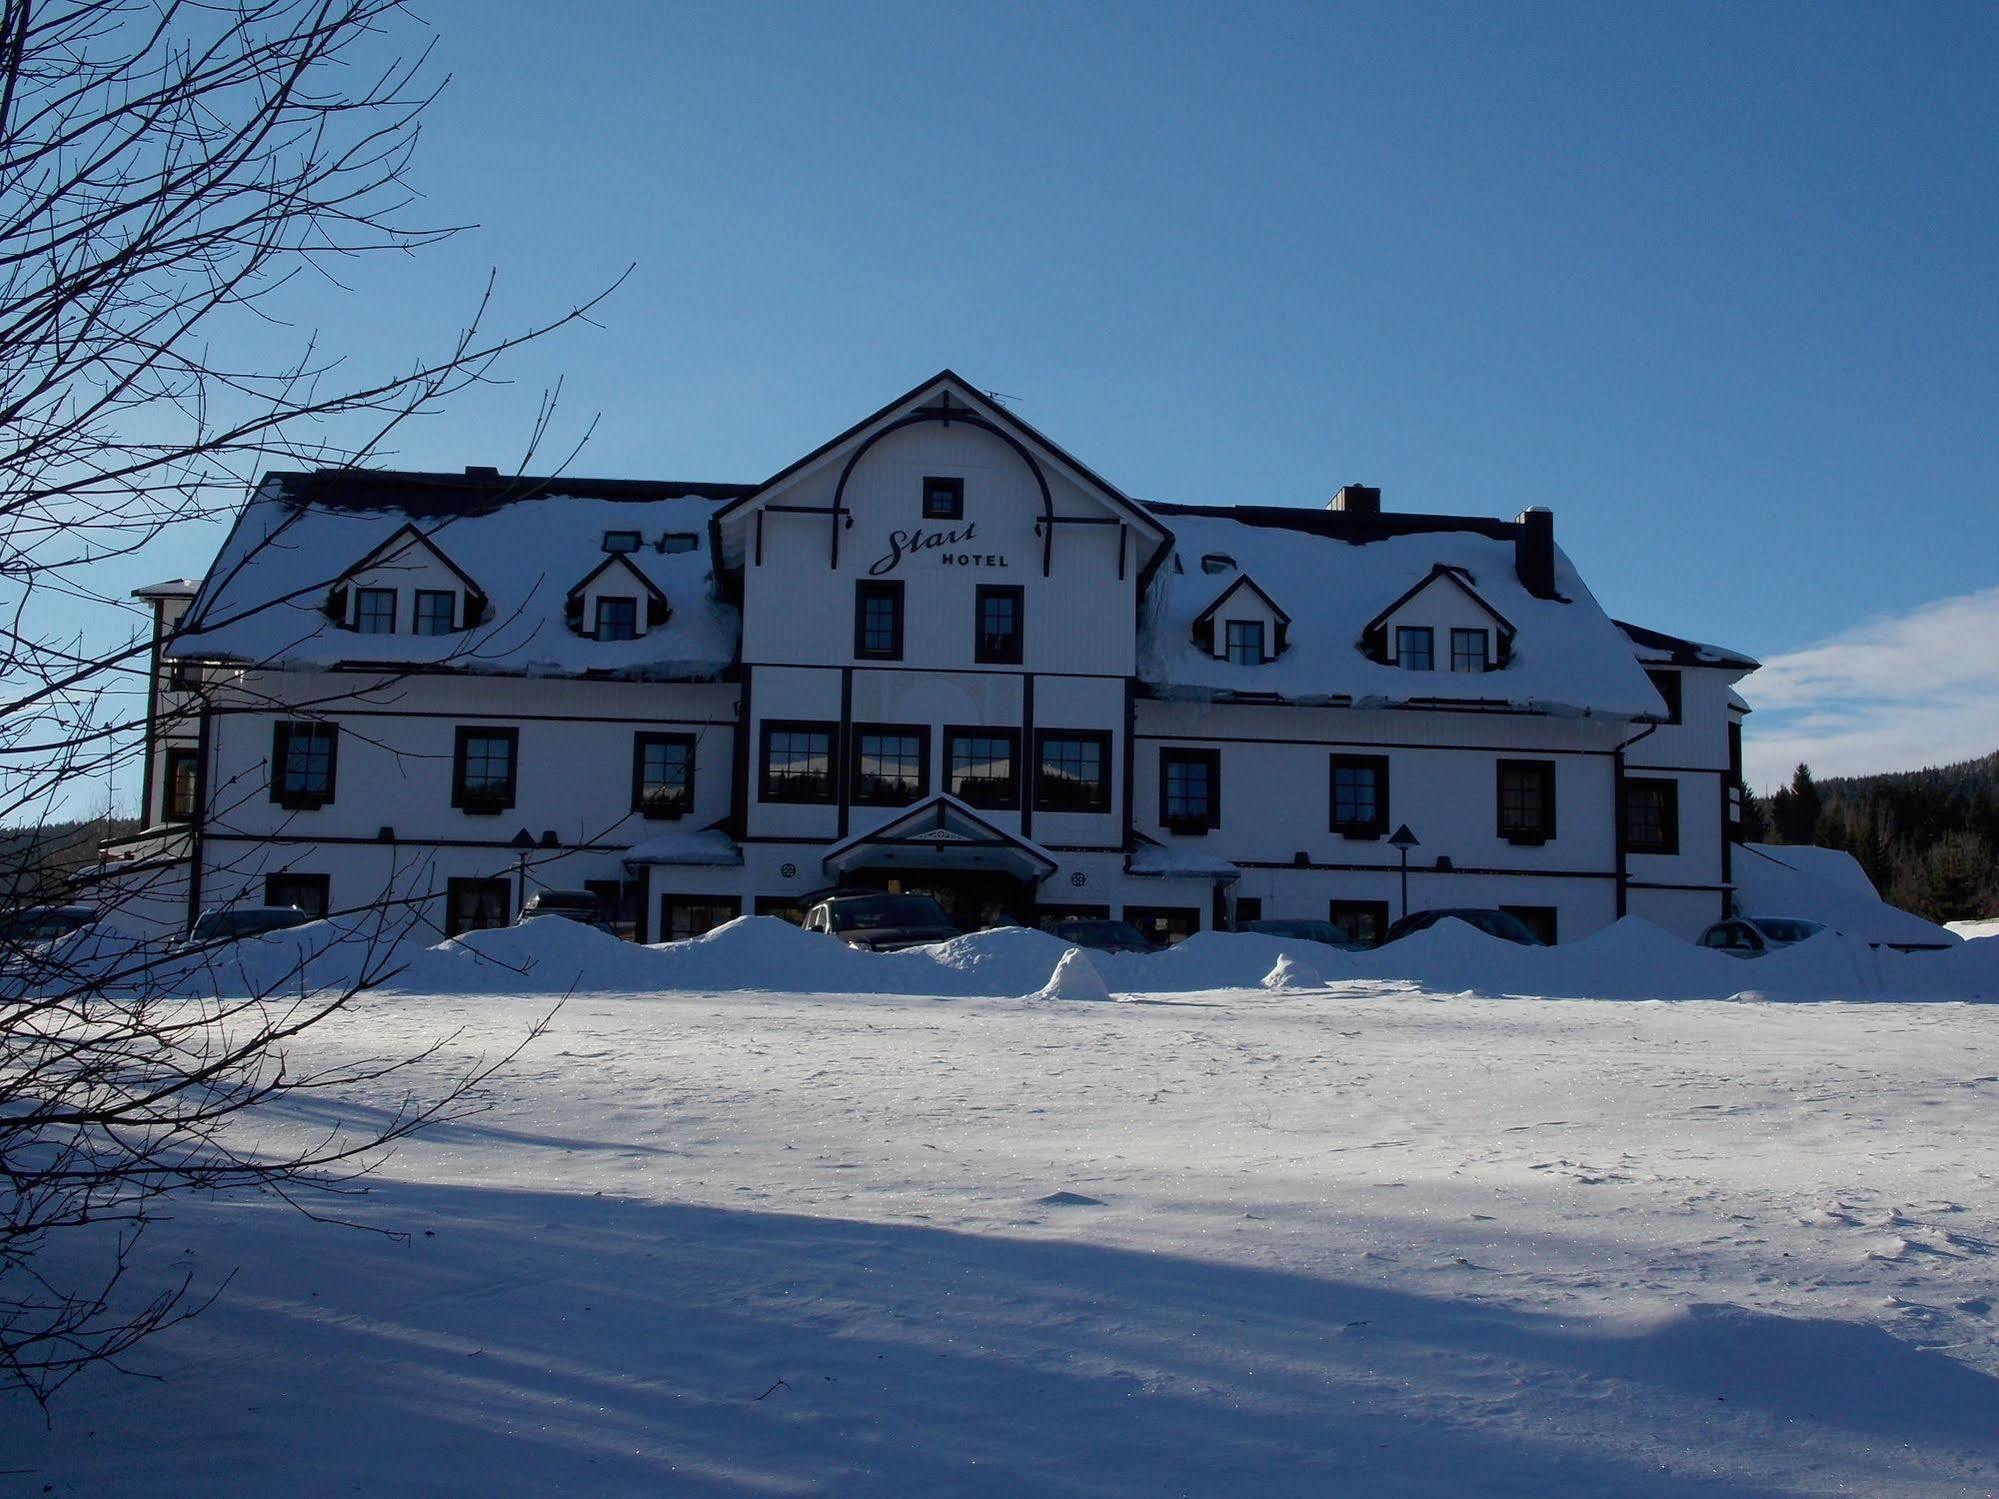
pixel 951 548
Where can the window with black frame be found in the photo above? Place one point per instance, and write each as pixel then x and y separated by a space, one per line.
pixel 309 893
pixel 981 767
pixel 797 762
pixel 1651 816
pixel 999 606
pixel 1668 686
pixel 1072 771
pixel 617 619
pixel 663 775
pixel 477 905
pixel 878 621
pixel 1416 648
pixel 182 798
pixel 433 612
pixel 375 611
pixel 891 764
pixel 1526 800
pixel 485 766
pixel 943 499
pixel 1364 921
pixel 1245 642
pixel 1190 789
pixel 1470 650
pixel 1360 795
pixel 303 761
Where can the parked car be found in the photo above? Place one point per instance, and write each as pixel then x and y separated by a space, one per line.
pixel 1753 936
pixel 237 922
pixel 574 905
pixel 44 923
pixel 1492 923
pixel 1307 931
pixel 881 922
pixel 1098 934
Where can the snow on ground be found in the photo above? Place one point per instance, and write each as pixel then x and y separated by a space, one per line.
pixel 1372 1236
pixel 1968 929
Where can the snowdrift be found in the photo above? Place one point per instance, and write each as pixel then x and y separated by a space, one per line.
pixel 1828 885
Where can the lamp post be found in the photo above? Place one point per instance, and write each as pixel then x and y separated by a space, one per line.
pixel 523 841
pixel 1402 840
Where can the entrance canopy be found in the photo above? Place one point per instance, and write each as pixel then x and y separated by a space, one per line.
pixel 940 833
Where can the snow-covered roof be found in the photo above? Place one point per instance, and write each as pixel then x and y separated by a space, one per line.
pixel 1567 657
pixel 1656 647
pixel 1176 861
pixel 691 846
pixel 172 588
pixel 300 533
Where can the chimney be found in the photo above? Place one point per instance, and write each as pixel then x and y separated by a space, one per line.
pixel 1534 550
pixel 1356 499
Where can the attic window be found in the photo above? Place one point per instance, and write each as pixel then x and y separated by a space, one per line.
pixel 621 541
pixel 943 499
pixel 1218 562
pixel 1244 638
pixel 679 541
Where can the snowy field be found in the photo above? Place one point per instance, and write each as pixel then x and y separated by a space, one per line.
pixel 1369 1235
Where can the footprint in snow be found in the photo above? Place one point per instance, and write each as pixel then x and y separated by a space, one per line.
pixel 1068 1200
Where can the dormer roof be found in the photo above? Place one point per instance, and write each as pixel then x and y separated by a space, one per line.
pixel 409 536
pixel 616 561
pixel 1204 622
pixel 1442 572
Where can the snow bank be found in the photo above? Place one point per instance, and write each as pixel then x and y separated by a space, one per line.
pixel 1971 931
pixel 1828 885
pixel 1293 973
pixel 1074 978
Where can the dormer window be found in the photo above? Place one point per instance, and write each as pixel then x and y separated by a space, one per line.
pixel 1245 642
pixel 434 611
pixel 1218 562
pixel 617 619
pixel 1470 650
pixel 620 542
pixel 375 611
pixel 679 541
pixel 943 499
pixel 1416 648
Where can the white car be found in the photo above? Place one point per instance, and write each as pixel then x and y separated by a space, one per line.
pixel 1753 936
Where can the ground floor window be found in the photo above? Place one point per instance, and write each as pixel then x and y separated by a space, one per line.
pixel 1362 920
pixel 684 916
pixel 1651 816
pixel 1045 915
pixel 476 905
pixel 618 905
pixel 305 892
pixel 784 907
pixel 1165 925
pixel 1540 920
pixel 1248 908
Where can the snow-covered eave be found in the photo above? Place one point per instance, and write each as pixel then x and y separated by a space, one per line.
pixel 1153 860
pixel 1517 707
pixel 699 847
pixel 661 671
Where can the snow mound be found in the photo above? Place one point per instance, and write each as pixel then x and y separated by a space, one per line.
pixel 1973 931
pixel 1293 973
pixel 1828 885
pixel 1074 978
pixel 1006 962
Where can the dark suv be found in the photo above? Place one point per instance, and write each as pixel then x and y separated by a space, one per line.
pixel 880 922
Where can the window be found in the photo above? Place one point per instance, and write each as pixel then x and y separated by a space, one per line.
pixel 1415 649
pixel 943 499
pixel 980 767
pixel 1165 925
pixel 619 542
pixel 476 905
pixel 618 619
pixel 1470 650
pixel 1540 920
pixel 1245 642
pixel 797 762
pixel 434 608
pixel 1072 770
pixel 618 903
pixel 680 541
pixel 784 907
pixel 891 764
pixel 663 775
pixel 484 765
pixel 1360 795
pixel 999 606
pixel 1652 816
pixel 375 611
pixel 183 790
pixel 684 916
pixel 1248 908
pixel 1217 562
pixel 302 764
pixel 1190 789
pixel 1668 683
pixel 304 892
pixel 1362 920
pixel 1526 800
pixel 878 621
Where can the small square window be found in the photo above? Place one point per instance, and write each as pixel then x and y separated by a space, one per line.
pixel 1542 921
pixel 309 893
pixel 943 499
pixel 375 611
pixel 1364 921
pixel 618 542
pixel 1470 650
pixel 1245 642
pixel 476 905
pixel 617 619
pixel 435 609
pixel 680 541
pixel 1416 648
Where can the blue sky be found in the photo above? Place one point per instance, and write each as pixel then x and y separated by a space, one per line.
pixel 1718 285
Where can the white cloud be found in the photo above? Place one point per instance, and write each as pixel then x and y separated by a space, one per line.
pixel 1895 693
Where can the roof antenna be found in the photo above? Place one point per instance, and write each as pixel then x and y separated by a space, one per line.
pixel 1000 398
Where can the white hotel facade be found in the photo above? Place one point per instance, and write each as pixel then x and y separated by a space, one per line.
pixel 935 653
